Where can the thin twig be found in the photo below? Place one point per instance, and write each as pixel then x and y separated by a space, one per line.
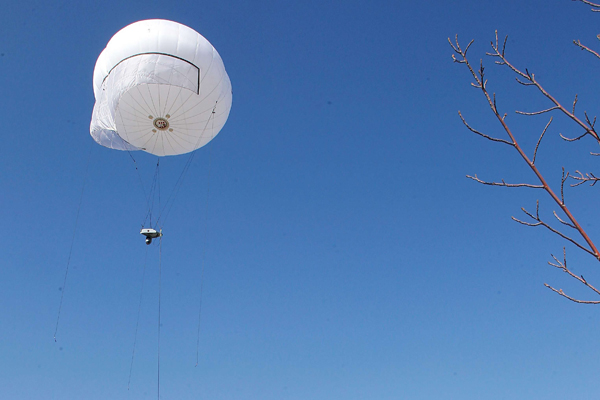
pixel 589 177
pixel 561 221
pixel 540 222
pixel 573 139
pixel 537 112
pixel 563 294
pixel 562 265
pixel 475 178
pixel 589 3
pixel 540 140
pixel 584 47
pixel 483 134
pixel 562 185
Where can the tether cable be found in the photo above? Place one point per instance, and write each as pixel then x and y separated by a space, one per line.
pixel 137 322
pixel 159 292
pixel 62 294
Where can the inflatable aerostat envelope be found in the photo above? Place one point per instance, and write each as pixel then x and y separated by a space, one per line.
pixel 160 87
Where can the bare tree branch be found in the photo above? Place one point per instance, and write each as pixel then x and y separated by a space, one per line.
pixel 584 47
pixel 520 81
pixel 587 119
pixel 540 140
pixel 561 221
pixel 562 185
pixel 531 81
pixel 572 139
pixel 562 265
pixel 475 178
pixel 493 139
pixel 589 3
pixel 563 294
pixel 537 112
pixel 530 78
pixel 589 177
pixel 540 222
pixel 587 123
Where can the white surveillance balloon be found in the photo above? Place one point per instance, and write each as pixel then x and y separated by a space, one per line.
pixel 160 87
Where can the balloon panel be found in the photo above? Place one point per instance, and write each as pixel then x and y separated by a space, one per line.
pixel 164 119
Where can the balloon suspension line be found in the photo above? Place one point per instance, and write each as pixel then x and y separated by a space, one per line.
pixel 205 235
pixel 62 292
pixel 171 199
pixel 159 292
pixel 154 191
pixel 149 197
pixel 140 180
pixel 137 322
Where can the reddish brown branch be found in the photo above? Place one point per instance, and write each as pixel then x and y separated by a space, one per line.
pixel 562 265
pixel 530 78
pixel 540 222
pixel 531 81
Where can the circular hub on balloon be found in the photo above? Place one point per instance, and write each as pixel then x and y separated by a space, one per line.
pixel 161 124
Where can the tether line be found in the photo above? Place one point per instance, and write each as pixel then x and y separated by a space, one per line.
pixel 137 322
pixel 62 294
pixel 159 292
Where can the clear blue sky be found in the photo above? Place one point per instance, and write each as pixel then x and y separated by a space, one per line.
pixel 346 256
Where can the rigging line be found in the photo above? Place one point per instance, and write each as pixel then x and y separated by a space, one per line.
pixel 62 292
pixel 175 191
pixel 158 186
pixel 159 292
pixel 159 107
pixel 205 234
pixel 156 110
pixel 148 109
pixel 141 184
pixel 164 110
pixel 137 322
pixel 152 195
pixel 171 199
